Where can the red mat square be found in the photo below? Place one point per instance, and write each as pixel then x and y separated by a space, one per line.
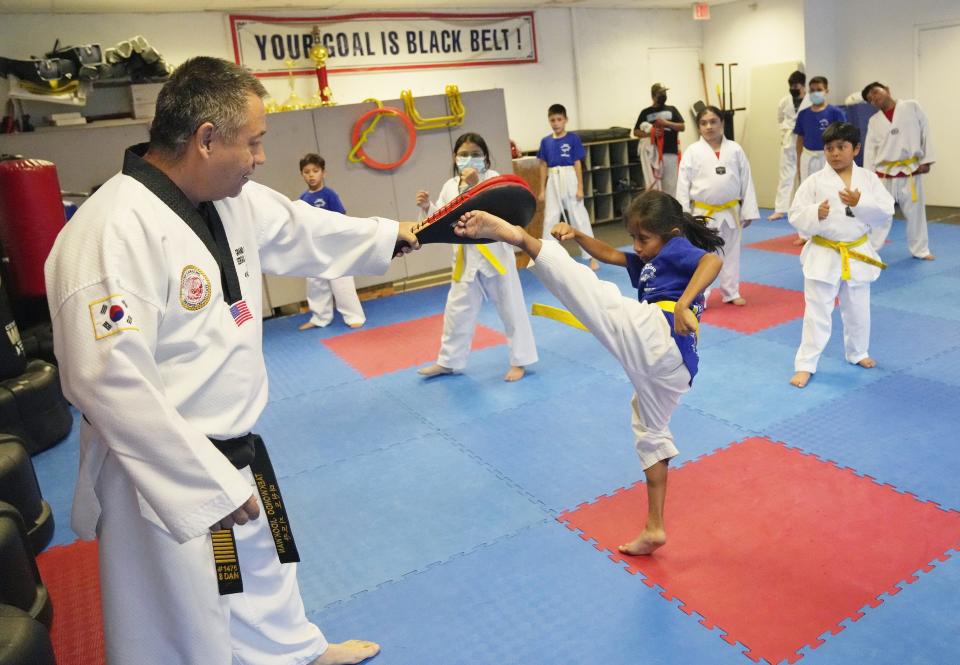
pixel 781 244
pixel 72 578
pixel 767 306
pixel 774 546
pixel 398 346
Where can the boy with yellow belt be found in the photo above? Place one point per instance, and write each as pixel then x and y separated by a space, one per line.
pixel 836 207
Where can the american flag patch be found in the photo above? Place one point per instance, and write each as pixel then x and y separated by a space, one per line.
pixel 240 312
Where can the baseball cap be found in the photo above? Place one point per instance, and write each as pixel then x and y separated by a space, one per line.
pixel 657 88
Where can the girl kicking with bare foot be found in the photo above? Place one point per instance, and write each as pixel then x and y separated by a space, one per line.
pixel 654 337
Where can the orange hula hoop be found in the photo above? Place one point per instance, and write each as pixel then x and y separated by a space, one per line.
pixel 411 136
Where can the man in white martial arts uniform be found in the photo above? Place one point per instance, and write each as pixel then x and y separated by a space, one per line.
pixel 155 293
pixel 836 207
pixel 715 181
pixel 787 110
pixel 898 149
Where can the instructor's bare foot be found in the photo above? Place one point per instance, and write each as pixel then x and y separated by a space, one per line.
pixel 868 363
pixel 928 257
pixel 646 543
pixel 355 325
pixel 594 265
pixel 800 379
pixel 308 325
pixel 739 302
pixel 799 241
pixel 777 215
pixel 515 373
pixel 348 653
pixel 434 370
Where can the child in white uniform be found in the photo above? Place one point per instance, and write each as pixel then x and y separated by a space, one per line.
pixel 715 181
pixel 897 149
pixel 787 111
pixel 561 158
pixel 479 271
pixel 653 336
pixel 324 294
pixel 836 208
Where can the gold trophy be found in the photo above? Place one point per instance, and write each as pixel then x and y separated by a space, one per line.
pixel 319 55
pixel 293 102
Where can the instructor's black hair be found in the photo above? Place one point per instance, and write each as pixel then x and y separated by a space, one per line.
pixel 660 213
pixel 797 77
pixel 870 86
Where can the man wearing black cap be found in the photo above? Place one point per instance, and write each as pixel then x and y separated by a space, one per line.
pixel 665 124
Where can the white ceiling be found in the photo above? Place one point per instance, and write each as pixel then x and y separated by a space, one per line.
pixel 256 6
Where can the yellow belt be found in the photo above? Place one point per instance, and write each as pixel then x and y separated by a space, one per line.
pixel 903 162
pixel 711 209
pixel 484 252
pixel 845 253
pixel 566 318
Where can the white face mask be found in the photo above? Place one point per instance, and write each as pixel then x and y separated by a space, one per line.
pixel 818 97
pixel 478 163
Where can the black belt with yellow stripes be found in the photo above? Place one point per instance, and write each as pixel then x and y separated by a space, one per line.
pixel 242 451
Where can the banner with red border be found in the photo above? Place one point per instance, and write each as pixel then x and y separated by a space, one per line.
pixel 383 41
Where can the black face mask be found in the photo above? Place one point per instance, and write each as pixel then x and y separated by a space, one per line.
pixel 795 93
pixel 661 100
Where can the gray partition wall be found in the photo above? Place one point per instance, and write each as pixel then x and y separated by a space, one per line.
pixel 88 155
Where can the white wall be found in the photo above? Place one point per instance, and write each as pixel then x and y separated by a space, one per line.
pixel 610 44
pixel 751 33
pixel 875 41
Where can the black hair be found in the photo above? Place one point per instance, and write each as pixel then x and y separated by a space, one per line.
pixel 315 159
pixel 471 137
pixel 797 77
pixel 661 214
pixel 841 131
pixel 871 86
pixel 201 90
pixel 709 109
pixel 820 79
pixel 557 109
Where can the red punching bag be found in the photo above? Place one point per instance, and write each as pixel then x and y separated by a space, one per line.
pixel 31 216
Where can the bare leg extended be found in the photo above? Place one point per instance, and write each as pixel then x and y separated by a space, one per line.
pixel 653 536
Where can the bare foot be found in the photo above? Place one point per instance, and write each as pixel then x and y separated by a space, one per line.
pixel 515 373
pixel 799 241
pixel 434 370
pixel 594 265
pixel 355 325
pixel 348 653
pixel 480 224
pixel 800 379
pixel 739 302
pixel 868 363
pixel 777 215
pixel 308 325
pixel 646 543
pixel 928 257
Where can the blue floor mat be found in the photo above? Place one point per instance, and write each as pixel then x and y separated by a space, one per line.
pixel 318 428
pixel 541 597
pixel 901 430
pixel 897 340
pixel 944 368
pixel 923 296
pixel 920 624
pixel 56 470
pixel 747 383
pixel 379 516
pixel 480 390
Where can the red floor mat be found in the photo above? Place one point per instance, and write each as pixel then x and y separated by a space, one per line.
pixel 782 244
pixel 401 345
pixel 72 578
pixel 773 546
pixel 767 306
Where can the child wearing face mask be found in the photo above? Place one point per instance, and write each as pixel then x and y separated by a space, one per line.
pixel 479 271
pixel 811 122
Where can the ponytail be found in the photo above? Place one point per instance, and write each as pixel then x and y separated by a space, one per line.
pixel 662 214
pixel 699 234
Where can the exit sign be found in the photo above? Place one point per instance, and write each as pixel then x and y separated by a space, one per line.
pixel 701 11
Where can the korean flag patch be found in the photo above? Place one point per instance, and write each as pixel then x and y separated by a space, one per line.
pixel 110 316
pixel 721 170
